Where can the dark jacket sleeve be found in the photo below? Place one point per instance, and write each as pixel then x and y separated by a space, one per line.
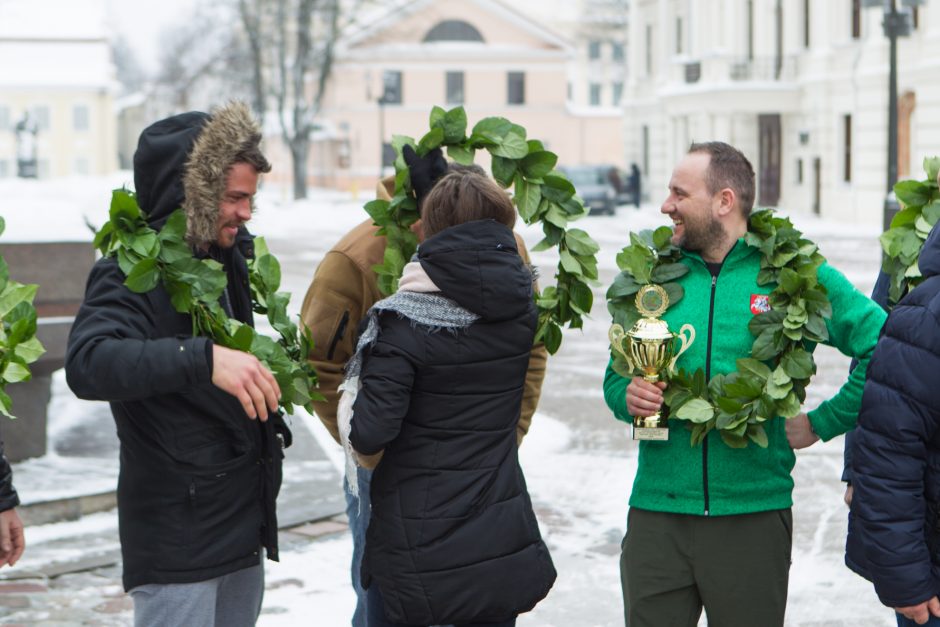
pixel 8 497
pixel 898 422
pixel 386 380
pixel 113 352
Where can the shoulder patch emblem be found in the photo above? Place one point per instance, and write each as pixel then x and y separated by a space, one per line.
pixel 760 303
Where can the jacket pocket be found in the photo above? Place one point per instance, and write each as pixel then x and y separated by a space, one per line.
pixel 338 334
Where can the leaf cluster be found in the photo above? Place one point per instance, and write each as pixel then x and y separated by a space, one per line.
pixel 902 242
pixel 540 193
pixel 150 258
pixel 772 381
pixel 19 346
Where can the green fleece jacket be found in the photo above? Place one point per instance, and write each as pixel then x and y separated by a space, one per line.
pixel 714 479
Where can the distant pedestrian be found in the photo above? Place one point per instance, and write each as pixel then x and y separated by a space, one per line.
pixel 635 185
pixel 894 524
pixel 12 540
pixel 200 434
pixel 436 383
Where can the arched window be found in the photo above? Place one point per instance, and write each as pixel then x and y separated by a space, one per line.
pixel 453 30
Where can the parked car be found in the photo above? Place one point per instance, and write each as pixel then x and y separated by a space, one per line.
pixel 595 186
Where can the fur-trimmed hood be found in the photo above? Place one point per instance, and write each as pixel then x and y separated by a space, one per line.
pixel 181 162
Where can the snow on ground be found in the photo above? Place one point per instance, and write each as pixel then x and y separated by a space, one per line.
pixel 579 462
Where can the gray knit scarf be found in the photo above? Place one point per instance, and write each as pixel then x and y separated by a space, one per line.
pixel 430 310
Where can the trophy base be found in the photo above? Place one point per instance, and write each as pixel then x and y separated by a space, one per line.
pixel 651 433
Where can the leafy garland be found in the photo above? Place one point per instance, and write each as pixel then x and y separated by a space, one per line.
pixel 540 193
pixel 19 346
pixel 903 242
pixel 149 258
pixel 772 381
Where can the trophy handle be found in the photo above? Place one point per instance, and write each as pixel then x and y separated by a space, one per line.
pixel 686 343
pixel 617 335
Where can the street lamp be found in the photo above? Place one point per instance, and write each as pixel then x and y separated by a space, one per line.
pixel 897 23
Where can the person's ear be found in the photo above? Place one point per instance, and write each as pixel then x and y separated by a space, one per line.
pixel 726 201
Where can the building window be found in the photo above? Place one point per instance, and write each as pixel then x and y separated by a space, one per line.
pixel 595 94
pixel 617 91
pixel 594 50
pixel 799 171
pixel 391 82
pixel 856 19
pixel 645 146
pixel 678 35
pixel 80 118
pixel 40 114
pixel 453 30
pixel 915 17
pixel 455 88
pixel 515 88
pixel 388 155
pixel 806 23
pixel 81 167
pixel 649 49
pixel 847 148
pixel 618 51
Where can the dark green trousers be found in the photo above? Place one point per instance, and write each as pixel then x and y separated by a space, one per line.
pixel 736 567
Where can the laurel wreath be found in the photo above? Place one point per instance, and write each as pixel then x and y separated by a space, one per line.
pixel 540 194
pixel 150 258
pixel 903 242
pixel 772 381
pixel 19 346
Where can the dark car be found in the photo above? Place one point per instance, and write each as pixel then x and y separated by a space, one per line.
pixel 595 186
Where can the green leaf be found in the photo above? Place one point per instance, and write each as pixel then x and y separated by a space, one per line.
pixel 696 410
pixel 30 350
pixel 3 225
pixel 535 165
pixel 455 125
pixel 460 154
pixel 662 237
pixel 513 146
pixel 378 211
pixel 569 263
pixel 665 272
pixel 124 208
pixel 527 197
pixel 437 117
pixel 431 140
pixel 912 193
pixel 557 188
pixel 798 364
pixel 580 242
pixel 556 215
pixel 14 373
pixel 582 298
pixel 932 167
pixel 493 128
pixel 504 170
pixel 552 338
pixel 765 345
pixel 754 367
pixel 269 269
pixel 733 440
pixel 14 294
pixel 624 285
pixel 757 435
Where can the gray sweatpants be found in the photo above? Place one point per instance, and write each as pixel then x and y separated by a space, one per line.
pixel 232 600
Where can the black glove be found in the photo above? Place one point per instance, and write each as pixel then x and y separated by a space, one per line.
pixel 424 171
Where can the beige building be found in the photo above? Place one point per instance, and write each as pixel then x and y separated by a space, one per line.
pixel 801 86
pixel 57 69
pixel 481 54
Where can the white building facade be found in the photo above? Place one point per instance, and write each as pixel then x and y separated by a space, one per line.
pixel 56 68
pixel 800 86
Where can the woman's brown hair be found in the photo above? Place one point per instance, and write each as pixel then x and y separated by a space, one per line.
pixel 464 196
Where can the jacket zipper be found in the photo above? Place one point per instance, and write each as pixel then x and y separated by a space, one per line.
pixel 340 332
pixel 708 376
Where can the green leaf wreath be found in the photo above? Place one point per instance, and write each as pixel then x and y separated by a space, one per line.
pixel 909 228
pixel 149 258
pixel 19 346
pixel 540 193
pixel 772 381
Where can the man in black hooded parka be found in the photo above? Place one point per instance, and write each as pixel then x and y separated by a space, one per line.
pixel 200 435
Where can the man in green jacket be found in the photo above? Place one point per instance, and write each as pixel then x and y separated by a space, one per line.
pixel 709 525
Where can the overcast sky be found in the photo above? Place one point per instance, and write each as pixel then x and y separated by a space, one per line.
pixel 141 22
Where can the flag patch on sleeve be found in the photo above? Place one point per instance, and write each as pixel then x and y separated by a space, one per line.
pixel 760 303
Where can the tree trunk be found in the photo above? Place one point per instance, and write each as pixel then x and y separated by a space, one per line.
pixel 299 150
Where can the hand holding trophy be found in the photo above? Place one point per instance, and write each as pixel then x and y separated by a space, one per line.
pixel 649 349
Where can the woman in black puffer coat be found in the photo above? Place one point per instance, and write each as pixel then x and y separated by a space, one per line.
pixel 453 538
pixel 894 525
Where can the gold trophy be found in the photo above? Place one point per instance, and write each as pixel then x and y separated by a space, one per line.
pixel 650 349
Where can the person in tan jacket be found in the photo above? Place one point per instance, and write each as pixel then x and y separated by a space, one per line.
pixel 343 289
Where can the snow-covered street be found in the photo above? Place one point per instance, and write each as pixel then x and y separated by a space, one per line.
pixel 579 461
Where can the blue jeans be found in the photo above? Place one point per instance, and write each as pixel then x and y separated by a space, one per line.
pixel 933 621
pixel 377 614
pixel 358 512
